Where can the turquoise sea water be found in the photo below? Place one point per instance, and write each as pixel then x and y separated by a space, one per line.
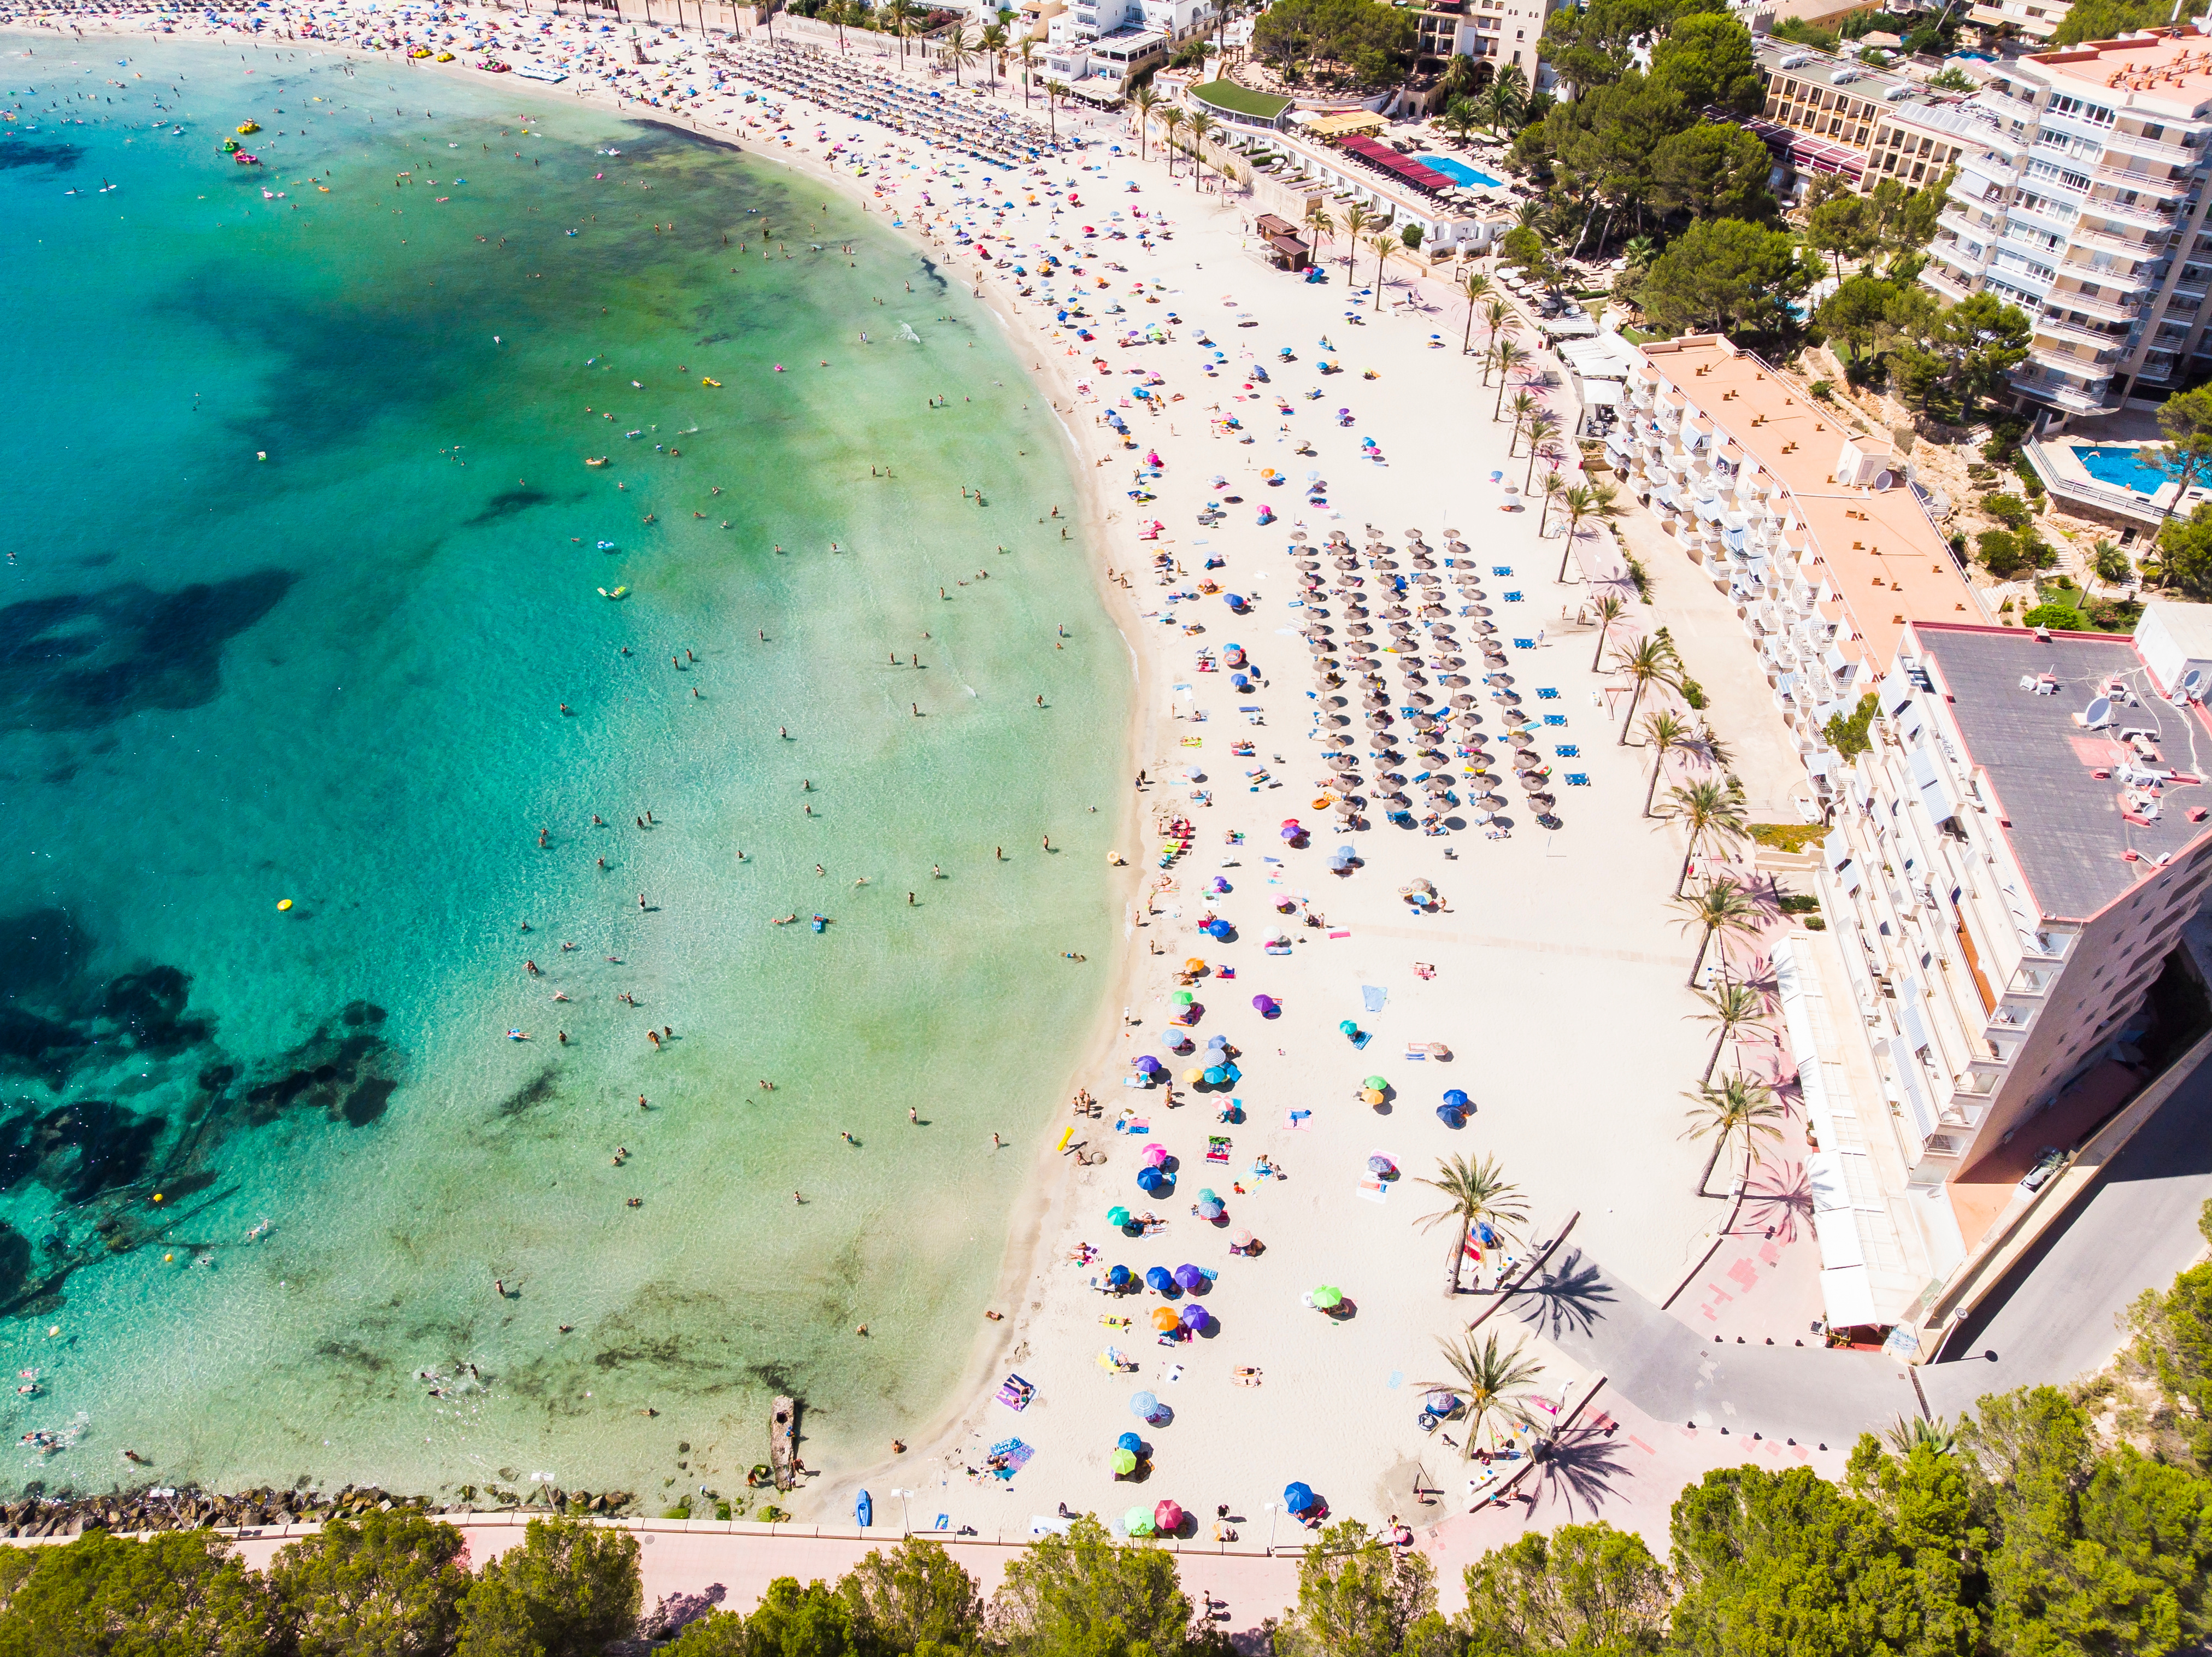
pixel 337 674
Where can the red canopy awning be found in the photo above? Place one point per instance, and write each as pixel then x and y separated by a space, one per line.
pixel 1389 160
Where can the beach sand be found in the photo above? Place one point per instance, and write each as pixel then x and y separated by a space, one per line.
pixel 1558 974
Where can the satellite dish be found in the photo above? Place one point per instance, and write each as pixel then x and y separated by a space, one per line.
pixel 2098 712
pixel 2193 684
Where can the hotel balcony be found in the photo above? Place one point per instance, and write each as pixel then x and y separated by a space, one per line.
pixel 2166 189
pixel 2150 218
pixel 2106 345
pixel 1936 276
pixel 2072 299
pixel 2136 144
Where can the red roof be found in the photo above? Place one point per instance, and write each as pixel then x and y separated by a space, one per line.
pixel 1382 156
pixel 1802 150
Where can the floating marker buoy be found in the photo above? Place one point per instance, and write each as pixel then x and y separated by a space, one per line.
pixel 284 904
pixel 157 1196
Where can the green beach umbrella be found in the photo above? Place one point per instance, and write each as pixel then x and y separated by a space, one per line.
pixel 1125 1462
pixel 1117 1217
pixel 1377 1082
pixel 1138 1522
pixel 1183 998
pixel 1327 1299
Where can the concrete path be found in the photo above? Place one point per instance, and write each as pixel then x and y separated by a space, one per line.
pixel 1758 1392
pixel 2055 1314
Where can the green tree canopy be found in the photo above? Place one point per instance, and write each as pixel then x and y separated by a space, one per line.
pixel 913 1599
pixel 1358 1596
pixel 1586 1588
pixel 566 1591
pixel 1707 60
pixel 1603 144
pixel 181 1593
pixel 2105 19
pixel 1085 1595
pixel 1373 41
pixel 1724 274
pixel 389 1584
pixel 1713 171
pixel 1594 45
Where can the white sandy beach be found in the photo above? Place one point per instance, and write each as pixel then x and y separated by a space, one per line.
pixel 1558 987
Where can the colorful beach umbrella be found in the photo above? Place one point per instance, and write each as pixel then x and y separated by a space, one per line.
pixel 1195 1318
pixel 1164 1318
pixel 1297 1496
pixel 1137 1522
pixel 1168 1516
pixel 1327 1298
pixel 1149 1180
pixel 1159 1279
pixel 1130 1442
pixel 1118 1276
pixel 1144 1406
pixel 1188 1277
pixel 1117 1217
pixel 1456 1098
pixel 1125 1462
pixel 1155 1155
pixel 1376 1081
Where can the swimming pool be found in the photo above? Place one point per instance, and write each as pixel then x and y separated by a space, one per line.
pixel 2129 467
pixel 1459 172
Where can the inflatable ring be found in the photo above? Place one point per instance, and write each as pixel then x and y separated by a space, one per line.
pixel 1322 804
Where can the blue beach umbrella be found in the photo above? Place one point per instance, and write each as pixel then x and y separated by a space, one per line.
pixel 1117 1217
pixel 1119 1276
pixel 1149 1180
pixel 1130 1442
pixel 1215 1075
pixel 1297 1496
pixel 1456 1098
pixel 1159 1278
pixel 1146 1406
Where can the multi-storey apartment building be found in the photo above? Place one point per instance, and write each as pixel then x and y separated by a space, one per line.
pixel 2014 860
pixel 2083 201
pixel 1830 114
pixel 2032 19
pixel 1818 534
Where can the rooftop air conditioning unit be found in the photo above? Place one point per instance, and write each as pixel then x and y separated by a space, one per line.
pixel 1902 89
pixel 1795 60
pixel 1843 76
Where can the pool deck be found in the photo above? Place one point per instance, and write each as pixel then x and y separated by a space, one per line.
pixel 2067 479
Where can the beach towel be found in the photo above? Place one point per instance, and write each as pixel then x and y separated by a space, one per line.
pixel 1373 1189
pixel 1217 1147
pixel 1015 1393
pixel 1017 1454
pixel 1045 1524
pixel 1373 995
pixel 1297 1120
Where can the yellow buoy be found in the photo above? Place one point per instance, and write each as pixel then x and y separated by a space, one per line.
pixel 284 904
pixel 157 1196
pixel 167 1258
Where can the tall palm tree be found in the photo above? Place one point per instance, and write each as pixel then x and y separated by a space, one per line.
pixel 1143 100
pixel 993 40
pixel 1501 322
pixel 1475 1194
pixel 1733 1006
pixel 1171 121
pixel 1357 218
pixel 1054 89
pixel 1707 812
pixel 1524 405
pixel 901 14
pixel 1384 246
pixel 1555 485
pixel 1539 429
pixel 1664 733
pixel 1028 56
pixel 1587 504
pixel 833 14
pixel 1609 609
pixel 1508 356
pixel 1200 124
pixel 1740 1109
pixel 1475 285
pixel 1649 661
pixel 1317 216
pixel 1493 1380
pixel 956 48
pixel 1719 908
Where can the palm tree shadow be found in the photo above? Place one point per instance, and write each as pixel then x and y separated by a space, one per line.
pixel 1778 1199
pixel 1580 1472
pixel 1571 1297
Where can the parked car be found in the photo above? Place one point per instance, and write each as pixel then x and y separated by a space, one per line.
pixel 2046 1164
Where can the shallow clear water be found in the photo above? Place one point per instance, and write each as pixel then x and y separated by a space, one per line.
pixel 1455 170
pixel 364 672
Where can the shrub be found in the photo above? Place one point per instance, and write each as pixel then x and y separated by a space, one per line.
pixel 1694 693
pixel 2008 509
pixel 2000 553
pixel 1850 736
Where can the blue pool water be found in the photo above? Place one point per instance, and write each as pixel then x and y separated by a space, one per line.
pixel 1457 170
pixel 2129 468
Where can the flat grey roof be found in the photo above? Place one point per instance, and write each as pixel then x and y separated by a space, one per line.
pixel 2064 822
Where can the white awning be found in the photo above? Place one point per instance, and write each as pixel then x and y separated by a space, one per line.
pixel 1824 1176
pixel 1848 1295
pixel 1600 390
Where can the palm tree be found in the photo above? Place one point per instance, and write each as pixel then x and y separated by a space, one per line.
pixel 956 49
pixel 1664 733
pixel 1608 608
pixel 1356 219
pixel 1524 405
pixel 1383 245
pixel 1200 124
pixel 1054 89
pixel 1501 103
pixel 992 39
pixel 1317 216
pixel 1539 429
pixel 1508 356
pixel 1739 1109
pixel 1555 485
pixel 1734 1006
pixel 901 14
pixel 1501 322
pixel 1707 812
pixel 1171 121
pixel 1587 504
pixel 1649 661
pixel 1142 101
pixel 1719 906
pixel 1475 285
pixel 1492 1380
pixel 1028 55
pixel 1476 1194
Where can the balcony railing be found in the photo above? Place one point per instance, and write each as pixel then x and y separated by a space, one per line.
pixel 2071 299
pixel 2136 144
pixel 2170 189
pixel 1952 291
pixel 2150 218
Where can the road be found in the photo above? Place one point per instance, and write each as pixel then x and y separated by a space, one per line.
pixel 2055 1314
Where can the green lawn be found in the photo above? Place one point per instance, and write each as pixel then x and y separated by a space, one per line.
pixel 1227 94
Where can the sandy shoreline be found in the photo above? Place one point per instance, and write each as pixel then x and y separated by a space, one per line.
pixel 1550 969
